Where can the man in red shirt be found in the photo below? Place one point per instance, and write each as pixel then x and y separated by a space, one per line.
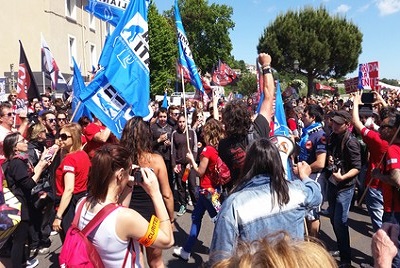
pixel 377 148
pixel 391 171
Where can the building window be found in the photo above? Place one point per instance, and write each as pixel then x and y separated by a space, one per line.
pixel 72 50
pixel 93 56
pixel 92 22
pixel 70 9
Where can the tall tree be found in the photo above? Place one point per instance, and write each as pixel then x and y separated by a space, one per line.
pixel 325 46
pixel 163 51
pixel 207 29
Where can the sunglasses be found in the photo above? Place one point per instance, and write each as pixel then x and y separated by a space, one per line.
pixel 51 120
pixel 64 136
pixel 176 113
pixel 9 114
pixel 61 119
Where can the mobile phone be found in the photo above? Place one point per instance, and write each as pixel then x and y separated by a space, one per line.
pixel 367 97
pixel 137 174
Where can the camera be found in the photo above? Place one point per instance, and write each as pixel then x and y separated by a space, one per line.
pixel 137 174
pixel 337 164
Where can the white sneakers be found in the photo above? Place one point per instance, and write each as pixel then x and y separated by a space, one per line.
pixel 181 253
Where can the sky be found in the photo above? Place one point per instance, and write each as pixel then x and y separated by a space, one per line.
pixel 378 20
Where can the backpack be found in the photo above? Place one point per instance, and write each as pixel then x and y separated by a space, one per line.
pixel 78 250
pixel 222 172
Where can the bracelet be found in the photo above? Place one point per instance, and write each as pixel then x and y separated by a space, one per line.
pixel 267 70
pixel 165 220
pixel 266 66
pixel 130 186
pixel 58 217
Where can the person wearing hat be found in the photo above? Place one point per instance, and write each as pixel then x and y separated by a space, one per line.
pixel 344 164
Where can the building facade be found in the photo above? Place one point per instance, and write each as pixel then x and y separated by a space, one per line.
pixel 67 28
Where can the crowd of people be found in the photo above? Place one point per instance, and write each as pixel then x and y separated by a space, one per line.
pixel 157 169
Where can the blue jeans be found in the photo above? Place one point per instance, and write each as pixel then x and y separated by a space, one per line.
pixel 339 206
pixel 374 202
pixel 203 204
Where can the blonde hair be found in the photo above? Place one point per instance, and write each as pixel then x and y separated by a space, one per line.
pixel 278 250
pixel 76 134
pixel 35 130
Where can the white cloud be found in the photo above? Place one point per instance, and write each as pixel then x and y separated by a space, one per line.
pixel 364 8
pixel 387 7
pixel 342 9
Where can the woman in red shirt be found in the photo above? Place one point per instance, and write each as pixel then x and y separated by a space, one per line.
pixel 208 191
pixel 71 177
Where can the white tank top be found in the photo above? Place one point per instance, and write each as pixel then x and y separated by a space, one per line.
pixel 110 247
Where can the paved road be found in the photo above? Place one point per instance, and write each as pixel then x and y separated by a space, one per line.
pixel 360 231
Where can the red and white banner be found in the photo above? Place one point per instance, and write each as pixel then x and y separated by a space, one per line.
pixel 351 85
pixel 368 76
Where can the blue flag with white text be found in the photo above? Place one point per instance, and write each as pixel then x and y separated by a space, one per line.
pixel 78 108
pixel 109 11
pixel 121 89
pixel 185 54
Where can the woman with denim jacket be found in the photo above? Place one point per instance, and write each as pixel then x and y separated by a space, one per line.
pixel 209 189
pixel 263 201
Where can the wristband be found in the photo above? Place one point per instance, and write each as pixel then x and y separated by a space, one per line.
pixel 267 70
pixel 58 217
pixel 152 232
pixel 266 66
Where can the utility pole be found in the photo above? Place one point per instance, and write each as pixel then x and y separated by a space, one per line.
pixel 12 76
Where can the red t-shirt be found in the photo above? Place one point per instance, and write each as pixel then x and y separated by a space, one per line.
pixel 212 154
pixel 292 124
pixel 377 148
pixel 78 163
pixel 391 195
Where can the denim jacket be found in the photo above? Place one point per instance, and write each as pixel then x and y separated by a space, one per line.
pixel 248 214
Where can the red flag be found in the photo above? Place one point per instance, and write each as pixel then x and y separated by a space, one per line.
pixel 223 74
pixel 182 69
pixel 27 88
pixel 51 70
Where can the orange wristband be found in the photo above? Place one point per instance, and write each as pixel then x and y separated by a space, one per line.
pixel 152 232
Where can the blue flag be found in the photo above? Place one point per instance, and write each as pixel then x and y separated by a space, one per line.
pixel 185 54
pixel 282 132
pixel 122 88
pixel 280 123
pixel 109 11
pixel 165 101
pixel 79 109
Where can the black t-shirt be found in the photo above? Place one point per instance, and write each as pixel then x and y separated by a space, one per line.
pixel 232 150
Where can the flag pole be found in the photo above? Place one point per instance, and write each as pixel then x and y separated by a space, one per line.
pixel 75 111
pixel 44 83
pixel 184 108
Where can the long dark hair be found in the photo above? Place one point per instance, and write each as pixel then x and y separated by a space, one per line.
pixel 9 143
pixel 263 158
pixel 136 137
pixel 105 162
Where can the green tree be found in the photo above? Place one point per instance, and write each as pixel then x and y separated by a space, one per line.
pixel 207 29
pixel 392 82
pixel 163 51
pixel 247 84
pixel 325 46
